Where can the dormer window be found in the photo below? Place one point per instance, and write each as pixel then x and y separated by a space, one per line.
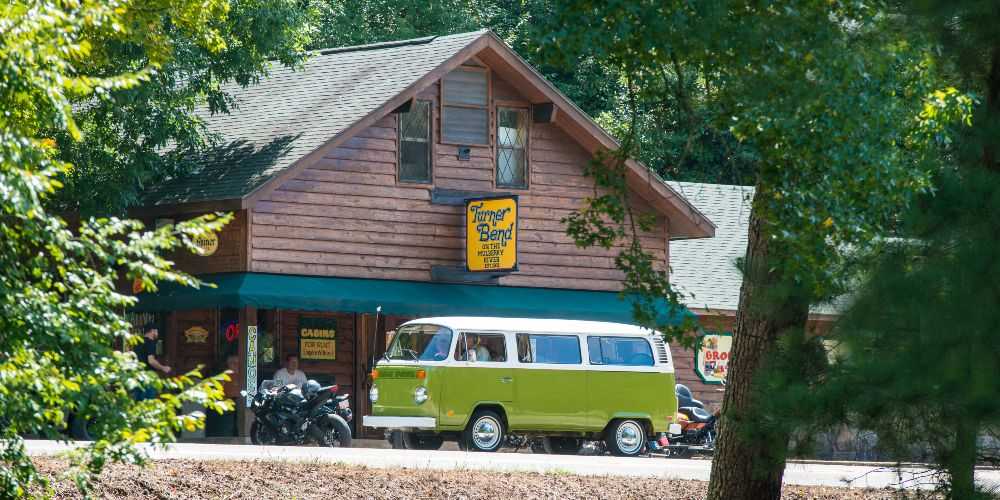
pixel 465 113
pixel 415 145
pixel 512 147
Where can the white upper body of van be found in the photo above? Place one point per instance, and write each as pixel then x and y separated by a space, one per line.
pixel 661 352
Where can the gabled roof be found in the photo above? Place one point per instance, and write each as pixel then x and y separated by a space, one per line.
pixel 294 115
pixel 705 269
pixel 292 112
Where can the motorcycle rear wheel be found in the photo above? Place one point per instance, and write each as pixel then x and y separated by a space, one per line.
pixel 261 434
pixel 336 431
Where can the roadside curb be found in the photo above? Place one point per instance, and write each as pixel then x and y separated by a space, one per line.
pixel 886 465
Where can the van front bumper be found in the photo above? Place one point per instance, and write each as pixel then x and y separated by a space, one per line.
pixel 399 422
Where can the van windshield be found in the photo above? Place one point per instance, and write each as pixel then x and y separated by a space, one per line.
pixel 420 343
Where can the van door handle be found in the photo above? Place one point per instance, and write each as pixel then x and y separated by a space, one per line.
pixel 506 380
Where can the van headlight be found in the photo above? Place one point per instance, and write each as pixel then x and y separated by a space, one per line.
pixel 420 395
pixel 373 394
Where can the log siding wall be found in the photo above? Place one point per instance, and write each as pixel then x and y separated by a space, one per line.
pixel 348 215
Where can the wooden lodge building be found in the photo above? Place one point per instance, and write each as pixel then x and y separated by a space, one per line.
pixel 348 178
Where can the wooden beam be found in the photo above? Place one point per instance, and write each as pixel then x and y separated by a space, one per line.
pixel 198 207
pixel 544 112
pixel 458 274
pixel 457 197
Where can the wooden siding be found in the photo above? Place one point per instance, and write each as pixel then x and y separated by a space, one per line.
pixel 231 256
pixel 348 215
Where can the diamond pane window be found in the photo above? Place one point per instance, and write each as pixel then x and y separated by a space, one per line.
pixel 415 143
pixel 512 142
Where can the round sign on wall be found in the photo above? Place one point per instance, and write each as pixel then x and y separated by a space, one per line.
pixel 207 244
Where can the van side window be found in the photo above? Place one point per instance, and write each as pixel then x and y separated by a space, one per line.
pixel 594 346
pixel 557 349
pixel 481 347
pixel 622 351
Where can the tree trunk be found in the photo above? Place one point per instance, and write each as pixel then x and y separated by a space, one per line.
pixel 961 463
pixel 749 463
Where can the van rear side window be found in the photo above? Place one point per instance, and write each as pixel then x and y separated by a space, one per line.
pixel 620 351
pixel 556 349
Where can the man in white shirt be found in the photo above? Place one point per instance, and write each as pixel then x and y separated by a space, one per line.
pixel 290 374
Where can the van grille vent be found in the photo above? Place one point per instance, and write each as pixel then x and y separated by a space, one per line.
pixel 383 373
pixel 661 350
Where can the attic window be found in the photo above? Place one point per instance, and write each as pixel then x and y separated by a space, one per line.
pixel 415 143
pixel 464 107
pixel 512 141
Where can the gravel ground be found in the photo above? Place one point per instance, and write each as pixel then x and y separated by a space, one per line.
pixel 188 479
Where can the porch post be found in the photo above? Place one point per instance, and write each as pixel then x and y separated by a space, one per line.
pixel 247 318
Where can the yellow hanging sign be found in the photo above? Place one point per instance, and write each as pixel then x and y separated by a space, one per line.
pixel 491 234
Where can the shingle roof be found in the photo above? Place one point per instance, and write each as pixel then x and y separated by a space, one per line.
pixel 292 112
pixel 705 269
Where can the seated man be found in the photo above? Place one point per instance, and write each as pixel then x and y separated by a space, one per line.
pixel 290 374
pixel 479 352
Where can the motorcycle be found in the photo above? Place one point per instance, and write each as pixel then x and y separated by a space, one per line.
pixel 697 426
pixel 287 415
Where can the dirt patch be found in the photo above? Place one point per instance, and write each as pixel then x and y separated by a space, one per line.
pixel 189 479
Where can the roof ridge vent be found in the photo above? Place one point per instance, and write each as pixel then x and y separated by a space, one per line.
pixel 380 45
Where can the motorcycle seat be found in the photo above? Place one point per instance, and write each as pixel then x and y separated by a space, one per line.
pixel 696 414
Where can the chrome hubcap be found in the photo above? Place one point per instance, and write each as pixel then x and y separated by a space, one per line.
pixel 629 437
pixel 486 433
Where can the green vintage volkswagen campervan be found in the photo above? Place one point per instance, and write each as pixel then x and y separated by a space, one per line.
pixel 491 382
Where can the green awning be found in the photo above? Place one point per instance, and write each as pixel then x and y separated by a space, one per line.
pixel 403 298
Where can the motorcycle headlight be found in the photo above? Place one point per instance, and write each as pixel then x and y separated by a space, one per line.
pixel 420 395
pixel 373 394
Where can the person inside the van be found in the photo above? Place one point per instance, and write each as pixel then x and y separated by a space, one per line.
pixel 479 352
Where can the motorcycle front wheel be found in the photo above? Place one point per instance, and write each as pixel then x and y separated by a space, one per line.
pixel 261 434
pixel 336 432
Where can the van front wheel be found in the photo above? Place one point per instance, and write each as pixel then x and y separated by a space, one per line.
pixel 485 432
pixel 626 438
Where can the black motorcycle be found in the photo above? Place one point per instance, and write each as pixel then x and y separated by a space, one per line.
pixel 290 416
pixel 697 426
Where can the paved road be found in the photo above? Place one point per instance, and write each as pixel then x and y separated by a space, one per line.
pixel 823 474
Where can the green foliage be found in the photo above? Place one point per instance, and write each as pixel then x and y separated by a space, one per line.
pixel 61 312
pixel 818 96
pixel 822 105
pixel 919 336
pixel 139 135
pixel 916 358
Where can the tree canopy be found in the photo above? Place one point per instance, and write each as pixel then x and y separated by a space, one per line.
pixel 62 316
pixel 138 135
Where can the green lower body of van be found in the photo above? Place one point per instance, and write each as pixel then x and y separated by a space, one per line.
pixel 558 406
